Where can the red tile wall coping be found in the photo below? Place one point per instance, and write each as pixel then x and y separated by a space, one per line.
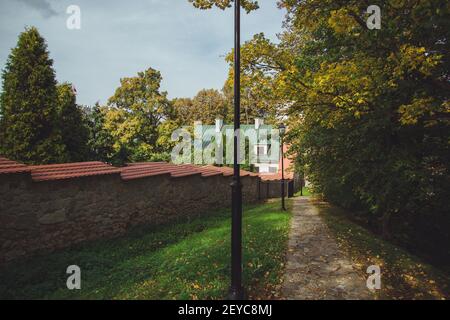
pixel 210 170
pixel 143 170
pixel 227 171
pixel 58 171
pixel 137 172
pixel 9 167
pixel 149 169
pixel 68 165
pixel 276 177
pixel 71 171
pixel 132 171
pixel 206 172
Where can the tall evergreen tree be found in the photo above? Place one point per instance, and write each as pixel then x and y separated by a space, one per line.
pixel 72 124
pixel 28 103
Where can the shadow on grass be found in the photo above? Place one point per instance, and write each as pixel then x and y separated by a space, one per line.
pixel 188 260
pixel 404 276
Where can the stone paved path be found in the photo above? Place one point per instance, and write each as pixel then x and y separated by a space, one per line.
pixel 316 269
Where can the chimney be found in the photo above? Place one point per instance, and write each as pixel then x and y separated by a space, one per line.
pixel 258 123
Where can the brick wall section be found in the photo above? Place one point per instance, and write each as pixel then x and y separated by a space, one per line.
pixel 47 208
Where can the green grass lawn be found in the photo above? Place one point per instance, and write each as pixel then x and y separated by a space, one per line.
pixel 404 276
pixel 189 260
pixel 306 192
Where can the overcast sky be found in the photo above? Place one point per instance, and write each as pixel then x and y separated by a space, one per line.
pixel 119 38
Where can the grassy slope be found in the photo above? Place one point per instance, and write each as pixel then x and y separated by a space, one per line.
pixel 404 276
pixel 180 261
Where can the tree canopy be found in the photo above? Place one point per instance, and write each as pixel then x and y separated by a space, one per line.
pixel 134 114
pixel 72 124
pixel 28 104
pixel 248 5
pixel 368 109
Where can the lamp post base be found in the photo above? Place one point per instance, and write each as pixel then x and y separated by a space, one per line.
pixel 237 294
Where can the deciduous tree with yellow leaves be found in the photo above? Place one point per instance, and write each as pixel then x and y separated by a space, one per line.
pixel 369 110
pixel 134 116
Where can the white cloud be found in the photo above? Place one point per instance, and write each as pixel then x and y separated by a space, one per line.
pixel 120 38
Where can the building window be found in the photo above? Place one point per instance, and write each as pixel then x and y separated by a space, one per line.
pixel 261 150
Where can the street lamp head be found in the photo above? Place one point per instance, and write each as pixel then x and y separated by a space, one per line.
pixel 282 129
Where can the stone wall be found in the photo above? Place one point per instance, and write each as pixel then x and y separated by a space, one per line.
pixel 272 189
pixel 40 217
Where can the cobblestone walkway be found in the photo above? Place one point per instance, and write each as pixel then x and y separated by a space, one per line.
pixel 316 269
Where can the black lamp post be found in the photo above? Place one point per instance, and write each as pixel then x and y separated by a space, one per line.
pixel 236 290
pixel 282 129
